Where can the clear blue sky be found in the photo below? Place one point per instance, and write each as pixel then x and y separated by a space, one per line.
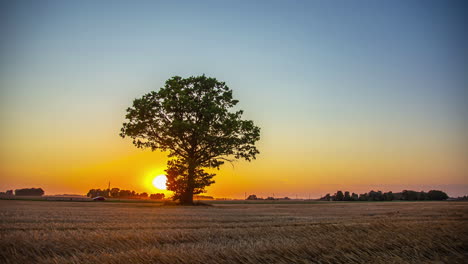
pixel 322 78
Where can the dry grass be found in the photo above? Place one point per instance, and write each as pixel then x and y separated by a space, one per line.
pixel 85 232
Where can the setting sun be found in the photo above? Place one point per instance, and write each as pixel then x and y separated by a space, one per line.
pixel 160 182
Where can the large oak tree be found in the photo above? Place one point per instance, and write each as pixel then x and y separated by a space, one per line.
pixel 193 119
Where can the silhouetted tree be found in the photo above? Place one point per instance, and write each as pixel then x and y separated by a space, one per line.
pixel 157 196
pixel 96 192
pixel 190 118
pixel 409 195
pixel 388 196
pixel 339 196
pixel 252 197
pixel 114 192
pixel 29 192
pixel 125 194
pixel 437 195
pixel 346 197
pixel 327 197
pixel 363 197
pixel 422 196
pixel 91 193
pixel 375 196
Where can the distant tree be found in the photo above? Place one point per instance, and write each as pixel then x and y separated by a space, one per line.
pixel 9 192
pixel 422 196
pixel 157 196
pixel 388 196
pixel 339 196
pixel 270 198
pixel 114 192
pixel 90 193
pixel 363 197
pixel 437 195
pixel 125 194
pixel 375 196
pixel 29 192
pixel 380 196
pixel 327 197
pixel 191 119
pixel 347 197
pixel 409 195
pixel 398 196
pixel 94 193
pixel 252 197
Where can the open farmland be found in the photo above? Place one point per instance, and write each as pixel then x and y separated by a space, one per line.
pixel 324 232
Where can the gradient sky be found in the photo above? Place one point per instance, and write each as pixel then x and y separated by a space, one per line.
pixel 354 95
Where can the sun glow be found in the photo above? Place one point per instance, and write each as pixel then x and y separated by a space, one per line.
pixel 160 182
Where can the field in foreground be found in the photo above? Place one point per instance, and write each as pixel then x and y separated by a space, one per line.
pixel 379 232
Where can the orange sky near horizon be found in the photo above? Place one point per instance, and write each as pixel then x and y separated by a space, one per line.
pixel 297 168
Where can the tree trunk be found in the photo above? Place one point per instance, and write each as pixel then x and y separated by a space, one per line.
pixel 187 196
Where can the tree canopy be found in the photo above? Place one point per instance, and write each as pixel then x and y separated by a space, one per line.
pixel 193 119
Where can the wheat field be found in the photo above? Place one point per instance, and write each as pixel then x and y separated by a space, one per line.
pixel 323 232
